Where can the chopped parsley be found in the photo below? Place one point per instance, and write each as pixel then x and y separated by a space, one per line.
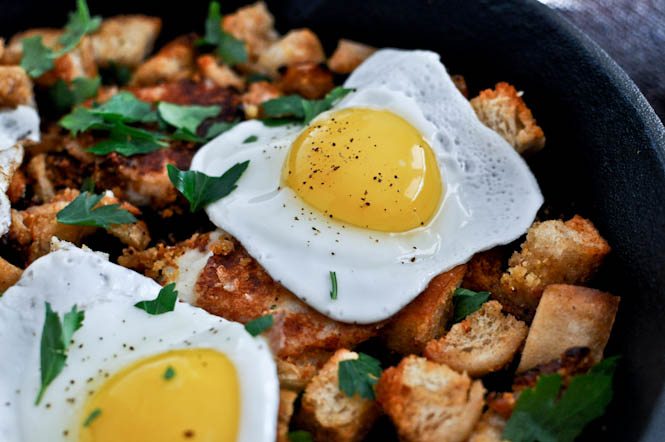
pixel 186 118
pixel 82 212
pixel 94 414
pixel 295 109
pixel 359 376
pixel 544 414
pixel 300 436
pixel 38 59
pixel 257 326
pixel 333 283
pixel 56 339
pixel 231 50
pixel 163 303
pixel 250 139
pixel 169 373
pixel 201 189
pixel 66 96
pixel 466 302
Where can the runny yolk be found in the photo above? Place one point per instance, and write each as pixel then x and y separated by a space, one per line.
pixel 180 395
pixel 366 167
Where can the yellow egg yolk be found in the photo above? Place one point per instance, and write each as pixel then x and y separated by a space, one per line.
pixel 366 167
pixel 180 395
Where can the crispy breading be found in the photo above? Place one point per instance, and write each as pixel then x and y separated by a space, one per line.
pixel 254 25
pixel 80 62
pixel 310 80
pixel 484 270
pixel 489 428
pixel 15 87
pixel 220 74
pixel 54 171
pixel 430 402
pixel 256 94
pixel 125 39
pixel 295 372
pixel 9 274
pixel 485 341
pixel 331 415
pixel 191 92
pixel 298 46
pixel 234 286
pixel 175 61
pixel 348 55
pixel 17 187
pixel 503 110
pixel 426 316
pixel 134 235
pixel 43 187
pixel 554 252
pixel 569 316
pixel 286 401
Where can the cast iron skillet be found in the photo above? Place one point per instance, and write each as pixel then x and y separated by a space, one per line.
pixel 605 154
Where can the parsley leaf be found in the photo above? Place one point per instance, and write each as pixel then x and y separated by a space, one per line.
pixel 65 96
pixel 56 339
pixel 79 24
pixel 231 50
pixel 169 373
pixel 359 376
pixel 250 139
pixel 300 436
pixel 81 120
pixel 94 414
pixel 466 302
pixel 163 303
pixel 218 128
pixel 257 326
pixel 128 141
pixel 188 118
pixel 36 58
pixel 125 107
pixel 82 212
pixel 539 416
pixel 294 107
pixel 201 189
pixel 333 283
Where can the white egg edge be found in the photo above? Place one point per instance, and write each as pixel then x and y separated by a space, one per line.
pixel 253 383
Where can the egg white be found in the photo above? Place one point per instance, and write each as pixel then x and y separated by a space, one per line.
pixel 114 335
pixel 491 197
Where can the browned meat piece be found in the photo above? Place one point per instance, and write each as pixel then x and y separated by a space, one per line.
pixel 220 74
pixel 190 92
pixel 310 80
pixel 174 61
pixel 125 39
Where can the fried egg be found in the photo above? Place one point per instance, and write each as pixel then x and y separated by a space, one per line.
pixel 129 376
pixel 395 184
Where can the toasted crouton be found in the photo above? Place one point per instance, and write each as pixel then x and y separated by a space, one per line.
pixel 15 87
pixel 286 400
pixel 298 46
pixel 80 62
pixel 426 316
pixel 483 271
pixel 489 428
pixel 503 110
pixel 295 372
pixel 173 62
pixel 9 274
pixel 254 25
pixel 569 316
pixel 331 415
pixel 256 94
pixel 483 342
pixel 429 401
pixel 219 74
pixel 307 79
pixel 554 252
pixel 125 39
pixel 348 55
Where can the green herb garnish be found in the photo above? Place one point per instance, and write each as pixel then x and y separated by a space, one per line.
pixel 201 189
pixel 186 118
pixel 231 50
pixel 82 212
pixel 294 108
pixel 250 139
pixel 466 302
pixel 359 376
pixel 543 414
pixel 94 414
pixel 56 339
pixel 333 283
pixel 257 326
pixel 169 373
pixel 300 436
pixel 66 96
pixel 163 303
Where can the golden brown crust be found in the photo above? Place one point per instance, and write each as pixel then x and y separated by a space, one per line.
pixel 220 74
pixel 256 94
pixel 286 401
pixel 426 316
pixel 125 39
pixel 430 402
pixel 9 274
pixel 483 342
pixel 175 61
pixel 348 56
pixel 295 372
pixel 484 271
pixel 298 46
pixel 489 428
pixel 15 87
pixel 254 25
pixel 569 316
pixel 307 79
pixel 503 110
pixel 331 415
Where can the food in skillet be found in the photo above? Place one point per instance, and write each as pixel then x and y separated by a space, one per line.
pixel 365 230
